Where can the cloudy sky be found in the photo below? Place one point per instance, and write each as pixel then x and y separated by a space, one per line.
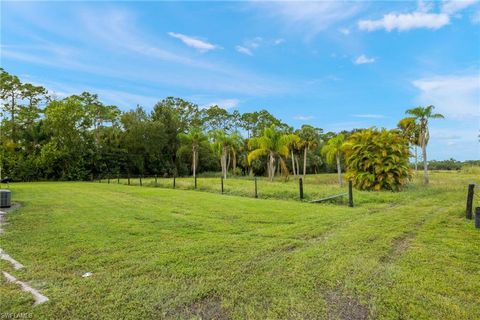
pixel 334 65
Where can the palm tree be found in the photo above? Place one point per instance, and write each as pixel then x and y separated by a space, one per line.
pixel 221 145
pixel 272 144
pixel 309 139
pixel 411 131
pixel 236 144
pixel 294 143
pixel 422 114
pixel 191 141
pixel 332 151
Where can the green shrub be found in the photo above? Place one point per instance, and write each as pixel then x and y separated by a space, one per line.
pixel 377 160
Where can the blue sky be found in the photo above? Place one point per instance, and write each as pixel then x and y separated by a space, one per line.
pixel 334 65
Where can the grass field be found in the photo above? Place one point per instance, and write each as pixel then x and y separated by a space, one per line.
pixel 158 253
pixel 314 186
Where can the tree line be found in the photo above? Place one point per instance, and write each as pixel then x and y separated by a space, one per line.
pixel 79 138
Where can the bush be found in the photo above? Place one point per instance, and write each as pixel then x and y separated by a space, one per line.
pixel 450 164
pixel 377 160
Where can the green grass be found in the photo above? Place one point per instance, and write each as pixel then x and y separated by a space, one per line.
pixel 314 186
pixel 161 253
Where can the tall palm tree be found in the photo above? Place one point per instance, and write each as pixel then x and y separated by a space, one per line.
pixel 411 131
pixel 222 143
pixel 423 114
pixel 309 139
pixel 332 152
pixel 294 143
pixel 236 143
pixel 273 144
pixel 191 142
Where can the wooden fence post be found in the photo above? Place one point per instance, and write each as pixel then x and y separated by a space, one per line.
pixel 470 193
pixel 256 193
pixel 118 178
pixel 174 181
pixel 140 180
pixel 300 185
pixel 108 179
pixel 129 178
pixel 477 217
pixel 195 182
pixel 350 193
pixel 221 182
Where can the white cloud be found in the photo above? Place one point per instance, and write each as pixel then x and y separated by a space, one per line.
pixel 244 50
pixel 454 96
pixel 475 18
pixel 454 6
pixel 200 45
pixel 369 116
pixel 250 45
pixel 406 21
pixel 302 117
pixel 224 103
pixel 307 17
pixel 254 43
pixel 363 59
pixel 344 31
pixel 424 6
pixel 421 18
pixel 121 98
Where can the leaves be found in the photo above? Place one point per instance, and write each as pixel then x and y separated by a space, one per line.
pixel 274 143
pixel 377 160
pixel 333 147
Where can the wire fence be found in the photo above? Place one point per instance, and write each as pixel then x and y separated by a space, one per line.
pixel 296 188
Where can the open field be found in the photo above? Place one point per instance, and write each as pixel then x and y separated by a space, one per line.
pixel 176 254
pixel 314 186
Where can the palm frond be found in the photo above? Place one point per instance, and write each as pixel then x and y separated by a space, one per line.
pixel 256 154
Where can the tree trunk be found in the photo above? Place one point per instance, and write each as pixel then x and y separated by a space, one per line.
pixel 224 163
pixel 305 162
pixel 234 161
pixel 228 162
pixel 268 168
pixel 194 164
pixel 339 170
pixel 293 164
pixel 272 168
pixel 425 162
pixel 297 166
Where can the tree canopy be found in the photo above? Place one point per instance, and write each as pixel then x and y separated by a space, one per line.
pixel 80 138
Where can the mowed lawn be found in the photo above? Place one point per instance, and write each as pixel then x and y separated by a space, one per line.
pixel 158 253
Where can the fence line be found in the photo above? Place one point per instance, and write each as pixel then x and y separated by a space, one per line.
pixel 195 183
